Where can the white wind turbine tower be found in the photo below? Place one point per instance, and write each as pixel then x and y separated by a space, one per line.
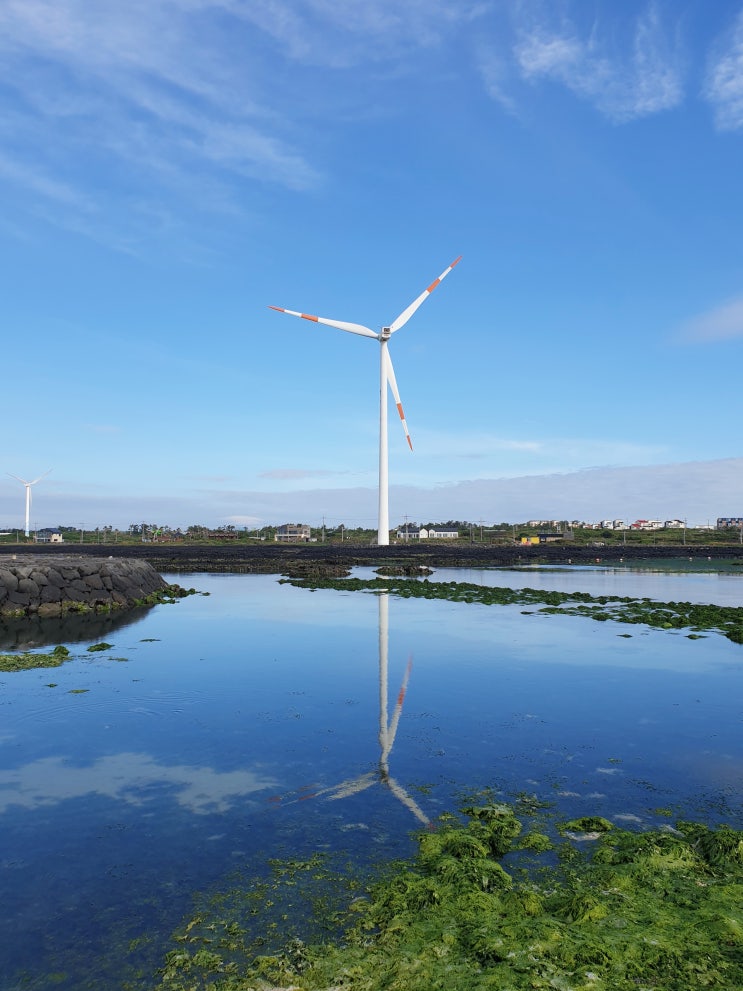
pixel 28 493
pixel 386 377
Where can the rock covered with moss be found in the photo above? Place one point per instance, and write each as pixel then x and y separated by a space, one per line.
pixel 32 586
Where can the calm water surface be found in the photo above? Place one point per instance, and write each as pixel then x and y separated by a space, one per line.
pixel 263 721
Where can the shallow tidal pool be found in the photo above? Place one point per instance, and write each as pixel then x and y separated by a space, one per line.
pixel 266 721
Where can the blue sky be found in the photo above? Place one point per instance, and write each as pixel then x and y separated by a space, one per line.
pixel 170 168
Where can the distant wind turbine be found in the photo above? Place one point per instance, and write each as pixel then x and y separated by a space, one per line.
pixel 386 377
pixel 28 493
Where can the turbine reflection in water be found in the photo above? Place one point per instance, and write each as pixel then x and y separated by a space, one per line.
pixel 387 732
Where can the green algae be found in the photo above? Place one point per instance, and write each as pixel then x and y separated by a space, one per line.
pixel 697 617
pixel 28 660
pixel 99 646
pixel 587 824
pixel 167 595
pixel 653 910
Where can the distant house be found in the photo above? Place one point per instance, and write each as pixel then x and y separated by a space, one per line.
pixel 410 532
pixel 442 533
pixel 293 533
pixel 542 538
pixel 49 535
pixel 723 522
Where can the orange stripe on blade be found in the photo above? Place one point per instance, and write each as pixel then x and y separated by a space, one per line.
pixel 433 285
pixel 278 308
pixel 399 410
pixel 306 316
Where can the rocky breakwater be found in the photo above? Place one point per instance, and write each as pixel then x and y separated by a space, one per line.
pixel 30 586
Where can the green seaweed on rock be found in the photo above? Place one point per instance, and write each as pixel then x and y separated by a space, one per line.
pixel 28 660
pixel 697 617
pixel 653 910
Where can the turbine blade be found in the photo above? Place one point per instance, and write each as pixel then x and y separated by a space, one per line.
pixel 19 479
pixel 350 787
pixel 390 371
pixel 407 314
pixel 392 728
pixel 408 801
pixel 40 477
pixel 352 328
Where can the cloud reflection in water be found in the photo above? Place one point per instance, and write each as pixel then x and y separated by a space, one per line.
pixel 127 777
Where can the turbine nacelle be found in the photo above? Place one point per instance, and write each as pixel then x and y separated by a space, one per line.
pixel 385 333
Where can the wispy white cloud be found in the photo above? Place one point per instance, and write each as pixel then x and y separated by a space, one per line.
pixel 292 474
pixel 339 35
pixel 511 456
pixel 724 83
pixel 31 176
pixel 156 96
pixel 162 40
pixel 103 428
pixel 248 521
pixel 145 113
pixel 496 74
pixel 643 78
pixel 697 491
pixel 722 323
pixel 211 479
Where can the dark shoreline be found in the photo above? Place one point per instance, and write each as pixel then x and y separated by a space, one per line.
pixel 282 558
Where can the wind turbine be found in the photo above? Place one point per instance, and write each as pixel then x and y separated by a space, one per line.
pixel 28 493
pixel 387 732
pixel 386 378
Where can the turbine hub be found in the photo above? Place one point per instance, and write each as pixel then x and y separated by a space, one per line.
pixel 385 334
